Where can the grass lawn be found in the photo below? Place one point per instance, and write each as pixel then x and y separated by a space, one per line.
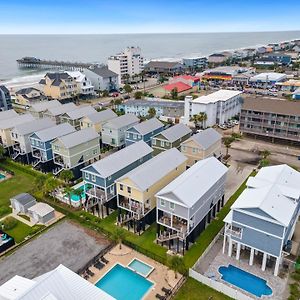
pixel 19 232
pixel 194 290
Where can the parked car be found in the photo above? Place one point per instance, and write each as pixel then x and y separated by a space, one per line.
pixel 222 126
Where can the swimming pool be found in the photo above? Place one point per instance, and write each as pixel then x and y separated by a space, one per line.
pixel 246 281
pixel 2 176
pixel 75 197
pixel 123 284
pixel 140 267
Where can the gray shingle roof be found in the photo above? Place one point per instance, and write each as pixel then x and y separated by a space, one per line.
pixel 103 72
pixel 102 116
pixel 32 126
pixel 192 185
pixel 24 198
pixel 78 137
pixel 80 112
pixel 12 122
pixel 58 77
pixel 51 133
pixel 61 109
pixel 7 114
pixel 175 132
pixel 122 121
pixel 27 91
pixel 4 88
pixel 153 170
pixel 42 106
pixel 206 138
pixel 121 159
pixel 148 126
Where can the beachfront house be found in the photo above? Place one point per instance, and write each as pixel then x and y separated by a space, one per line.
pixel 97 119
pixel 29 96
pixel 84 85
pixel 136 190
pixel 143 131
pixel 170 138
pixel 262 221
pixel 73 117
pixel 20 137
pixel 113 131
pixel 202 145
pixel 75 150
pixel 41 148
pixel 55 113
pixel 189 203
pixel 38 109
pixel 21 203
pixel 101 175
pixel 8 120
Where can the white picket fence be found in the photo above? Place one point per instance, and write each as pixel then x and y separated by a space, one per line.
pixel 219 286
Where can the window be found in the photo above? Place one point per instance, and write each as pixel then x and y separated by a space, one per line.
pixel 128 134
pixel 183 148
pixel 95 151
pixel 87 176
pixel 121 187
pixel 109 178
pixel 129 190
pixel 172 205
pixel 154 142
pixel 162 143
pixel 194 150
pixel 93 178
pixel 162 202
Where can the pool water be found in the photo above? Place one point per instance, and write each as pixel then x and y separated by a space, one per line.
pixel 140 267
pixel 246 281
pixel 124 284
pixel 2 176
pixel 76 198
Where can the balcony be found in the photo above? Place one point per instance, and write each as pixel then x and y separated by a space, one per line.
pixel 134 206
pixel 177 223
pixel 36 153
pixel 99 194
pixel 17 147
pixel 234 232
pixel 58 160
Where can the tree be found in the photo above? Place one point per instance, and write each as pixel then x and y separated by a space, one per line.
pixel 78 193
pixel 264 162
pixel 2 152
pixel 176 263
pixel 126 78
pixel 152 112
pixel 174 93
pixel 138 95
pixel 69 191
pixel 127 88
pixel 195 120
pixel 39 183
pixel 202 119
pixel 50 185
pixel 265 154
pixel 118 236
pixel 105 93
pixel 227 141
pixel 66 175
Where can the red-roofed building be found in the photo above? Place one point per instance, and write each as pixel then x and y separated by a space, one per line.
pixel 180 86
pixel 187 79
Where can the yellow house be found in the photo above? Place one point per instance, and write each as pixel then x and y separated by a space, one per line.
pixel 204 144
pixel 29 96
pixel 136 190
pixel 97 119
pixel 59 86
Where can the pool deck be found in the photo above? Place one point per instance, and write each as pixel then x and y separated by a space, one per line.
pixel 161 276
pixel 211 264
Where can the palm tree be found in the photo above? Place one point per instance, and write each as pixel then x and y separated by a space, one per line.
pixel 203 119
pixel 152 112
pixel 66 175
pixel 50 185
pixel 227 141
pixel 195 119
pixel 118 236
pixel 78 193
pixel 176 263
pixel 127 88
pixel 69 191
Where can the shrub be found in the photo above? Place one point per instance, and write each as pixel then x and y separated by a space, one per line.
pixel 4 210
pixel 9 223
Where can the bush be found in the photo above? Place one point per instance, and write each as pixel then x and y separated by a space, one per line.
pixel 9 223
pixel 4 210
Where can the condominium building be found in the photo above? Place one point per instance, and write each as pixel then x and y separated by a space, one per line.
pixel 5 99
pixel 128 63
pixel 219 107
pixel 195 62
pixel 272 119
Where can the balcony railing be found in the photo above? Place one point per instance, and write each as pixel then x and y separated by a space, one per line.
pixel 134 206
pixel 99 194
pixel 177 224
pixel 58 160
pixel 234 233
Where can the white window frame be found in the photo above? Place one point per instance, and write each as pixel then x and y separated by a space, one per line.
pixel 162 202
pixel 172 205
pixel 94 178
pixel 87 176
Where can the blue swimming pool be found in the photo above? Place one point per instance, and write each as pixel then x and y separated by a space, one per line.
pixel 246 281
pixel 140 267
pixel 2 176
pixel 75 197
pixel 123 284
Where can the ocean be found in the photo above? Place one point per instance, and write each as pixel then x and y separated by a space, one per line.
pixel 97 48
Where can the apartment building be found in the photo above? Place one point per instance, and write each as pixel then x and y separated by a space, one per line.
pixel 5 99
pixel 262 221
pixel 195 63
pixel 136 190
pixel 127 63
pixel 219 107
pixel 271 119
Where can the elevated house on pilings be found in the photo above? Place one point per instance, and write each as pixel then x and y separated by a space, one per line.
pixel 101 176
pixel 136 190
pixel 189 203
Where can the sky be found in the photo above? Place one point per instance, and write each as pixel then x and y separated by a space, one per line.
pixel 146 16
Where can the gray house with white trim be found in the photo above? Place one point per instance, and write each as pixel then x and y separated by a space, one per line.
pixel 262 220
pixel 189 203
pixel 21 203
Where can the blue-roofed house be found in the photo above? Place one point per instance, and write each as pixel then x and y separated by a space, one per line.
pixel 143 131
pixel 262 220
pixel 41 144
pixel 102 174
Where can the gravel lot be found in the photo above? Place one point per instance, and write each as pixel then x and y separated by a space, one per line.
pixel 66 243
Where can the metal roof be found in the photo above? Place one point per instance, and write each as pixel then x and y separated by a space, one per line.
pixel 103 72
pixel 272 76
pixel 80 112
pixel 154 103
pixel 78 137
pixel 41 209
pixel 153 170
pixel 12 122
pixel 51 133
pixel 24 198
pixel 42 106
pixel 175 132
pixel 117 161
pixel 147 126
pixel 205 138
pixel 61 109
pixel 32 126
pixel 193 184
pixel 7 114
pixel 221 95
pixel 122 121
pixel 102 116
